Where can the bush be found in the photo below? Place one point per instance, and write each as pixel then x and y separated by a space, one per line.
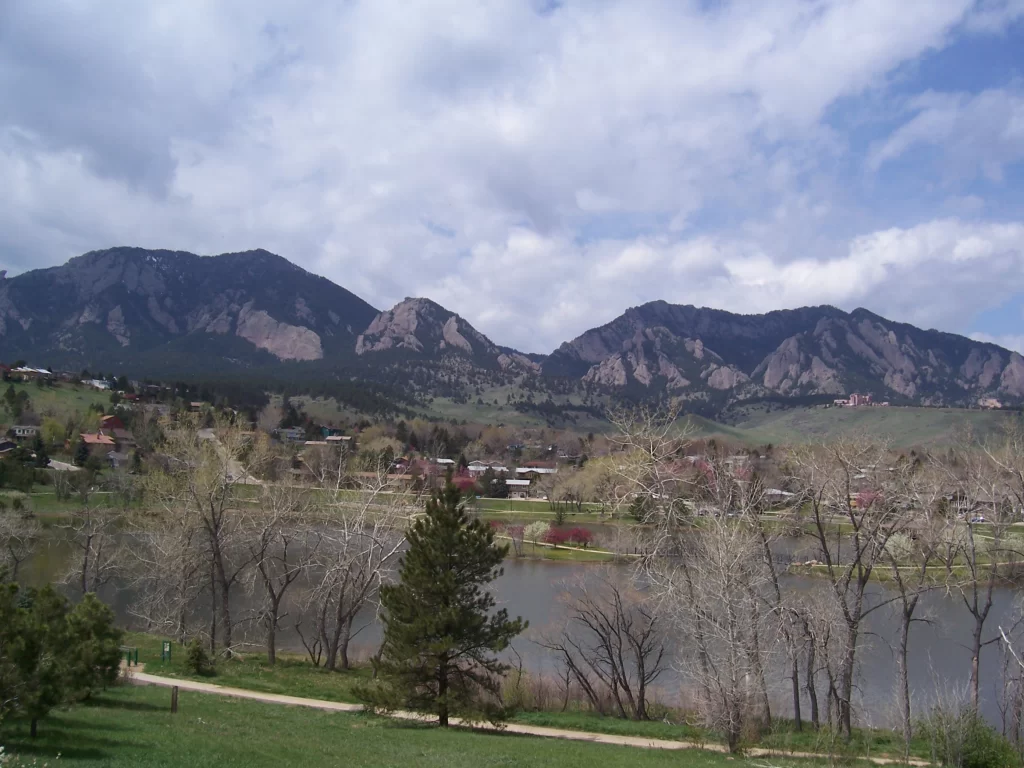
pixel 961 739
pixel 197 660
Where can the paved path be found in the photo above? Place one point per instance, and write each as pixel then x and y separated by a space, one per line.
pixel 142 678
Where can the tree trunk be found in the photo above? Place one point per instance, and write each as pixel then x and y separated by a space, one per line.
pixel 812 691
pixel 442 693
pixel 275 605
pixel 225 605
pixel 34 728
pixel 85 564
pixel 975 657
pixel 846 685
pixel 797 718
pixel 904 683
pixel 343 641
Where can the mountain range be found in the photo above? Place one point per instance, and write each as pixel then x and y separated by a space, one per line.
pixel 164 313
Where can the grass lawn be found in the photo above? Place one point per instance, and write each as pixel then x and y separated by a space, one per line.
pixel 295 676
pixel 133 726
pixel 61 398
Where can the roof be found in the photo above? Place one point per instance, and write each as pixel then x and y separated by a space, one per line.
pixel 90 439
pixel 315 442
pixel 517 482
pixel 536 470
pixel 444 461
pixel 337 438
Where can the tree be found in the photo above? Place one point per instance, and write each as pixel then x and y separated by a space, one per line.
pixel 612 646
pixel 848 482
pixel 51 654
pixel 439 628
pixel 81 457
pixel 277 548
pixel 93 653
pixel 42 458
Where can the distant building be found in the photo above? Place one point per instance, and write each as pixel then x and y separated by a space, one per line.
pixel 25 432
pixel 518 489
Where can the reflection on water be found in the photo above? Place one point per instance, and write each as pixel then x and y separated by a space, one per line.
pixel 939 658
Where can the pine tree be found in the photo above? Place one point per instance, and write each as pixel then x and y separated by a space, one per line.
pixel 42 458
pixel 439 630
pixel 81 457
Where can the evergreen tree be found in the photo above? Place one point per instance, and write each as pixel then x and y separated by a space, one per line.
pixel 81 457
pixel 42 459
pixel 439 630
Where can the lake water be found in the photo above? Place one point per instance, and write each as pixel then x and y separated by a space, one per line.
pixel 939 659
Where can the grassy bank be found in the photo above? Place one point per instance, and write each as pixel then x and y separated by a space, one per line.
pixel 295 676
pixel 133 726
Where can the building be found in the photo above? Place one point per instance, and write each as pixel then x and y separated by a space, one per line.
pixel 479 467
pixel 518 489
pixel 99 444
pixel 25 432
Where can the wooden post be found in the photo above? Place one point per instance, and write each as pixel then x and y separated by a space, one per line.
pixel 174 699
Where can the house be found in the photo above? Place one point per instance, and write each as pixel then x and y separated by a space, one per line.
pixel 479 467
pixel 518 489
pixel 535 471
pixel 6 446
pixel 110 422
pixel 124 438
pixel 98 384
pixel 25 432
pixel 99 445
pixel 445 462
pixel 339 441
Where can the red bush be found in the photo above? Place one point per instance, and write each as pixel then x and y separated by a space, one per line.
pixel 556 536
pixel 581 537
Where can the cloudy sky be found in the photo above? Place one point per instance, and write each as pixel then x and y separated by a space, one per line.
pixel 537 166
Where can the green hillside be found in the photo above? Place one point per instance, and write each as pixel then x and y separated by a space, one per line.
pixel 905 427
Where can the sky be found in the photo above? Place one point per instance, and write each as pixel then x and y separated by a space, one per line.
pixel 537 166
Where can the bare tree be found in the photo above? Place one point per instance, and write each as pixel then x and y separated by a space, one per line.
pixel 168 567
pixel 356 541
pixel 846 488
pixel 278 541
pixel 976 480
pixel 715 596
pixel 612 645
pixel 18 536
pixel 204 472
pixel 95 534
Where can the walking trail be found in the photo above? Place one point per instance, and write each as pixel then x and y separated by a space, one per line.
pixel 138 677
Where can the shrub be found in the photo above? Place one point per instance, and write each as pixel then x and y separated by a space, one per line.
pixel 196 658
pixel 581 537
pixel 556 536
pixel 962 739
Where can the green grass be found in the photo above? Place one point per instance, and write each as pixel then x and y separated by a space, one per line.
pixel 295 676
pixel 133 726
pixel 59 399
pixel 905 427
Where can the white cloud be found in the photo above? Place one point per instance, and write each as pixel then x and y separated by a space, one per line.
pixel 1011 341
pixel 978 134
pixel 536 172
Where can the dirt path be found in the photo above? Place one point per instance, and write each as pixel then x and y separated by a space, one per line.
pixel 142 678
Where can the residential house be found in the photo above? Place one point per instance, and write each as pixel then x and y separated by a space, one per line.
pixel 99 444
pixel 25 432
pixel 119 460
pixel 518 488
pixel 6 446
pixel 340 441
pixel 111 422
pixel 479 467
pixel 292 434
